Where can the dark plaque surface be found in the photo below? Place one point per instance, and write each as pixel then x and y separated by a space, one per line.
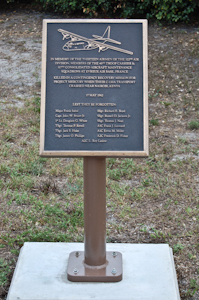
pixel 94 83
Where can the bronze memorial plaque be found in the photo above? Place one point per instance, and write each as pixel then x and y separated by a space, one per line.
pixel 94 88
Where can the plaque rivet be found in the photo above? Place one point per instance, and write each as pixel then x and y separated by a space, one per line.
pixel 75 271
pixel 114 271
pixel 77 254
pixel 114 254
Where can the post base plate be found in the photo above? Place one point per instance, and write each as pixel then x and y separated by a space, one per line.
pixel 78 271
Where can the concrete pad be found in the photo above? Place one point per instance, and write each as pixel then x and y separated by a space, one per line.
pixel 148 274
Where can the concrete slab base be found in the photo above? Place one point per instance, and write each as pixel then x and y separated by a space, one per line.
pixel 40 274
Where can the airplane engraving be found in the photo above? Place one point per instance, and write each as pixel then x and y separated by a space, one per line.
pixel 78 42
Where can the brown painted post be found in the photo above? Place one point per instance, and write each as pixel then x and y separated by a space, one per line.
pixel 95 210
pixel 94 264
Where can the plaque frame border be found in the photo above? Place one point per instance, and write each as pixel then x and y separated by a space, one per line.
pixel 104 153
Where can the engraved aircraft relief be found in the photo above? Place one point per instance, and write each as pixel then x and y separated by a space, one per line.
pixel 77 42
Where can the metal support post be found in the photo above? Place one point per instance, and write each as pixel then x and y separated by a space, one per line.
pixel 94 264
pixel 95 210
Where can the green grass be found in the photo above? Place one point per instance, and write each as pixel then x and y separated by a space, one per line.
pixel 194 124
pixel 194 287
pixel 5 271
pixel 154 122
pixel 177 248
